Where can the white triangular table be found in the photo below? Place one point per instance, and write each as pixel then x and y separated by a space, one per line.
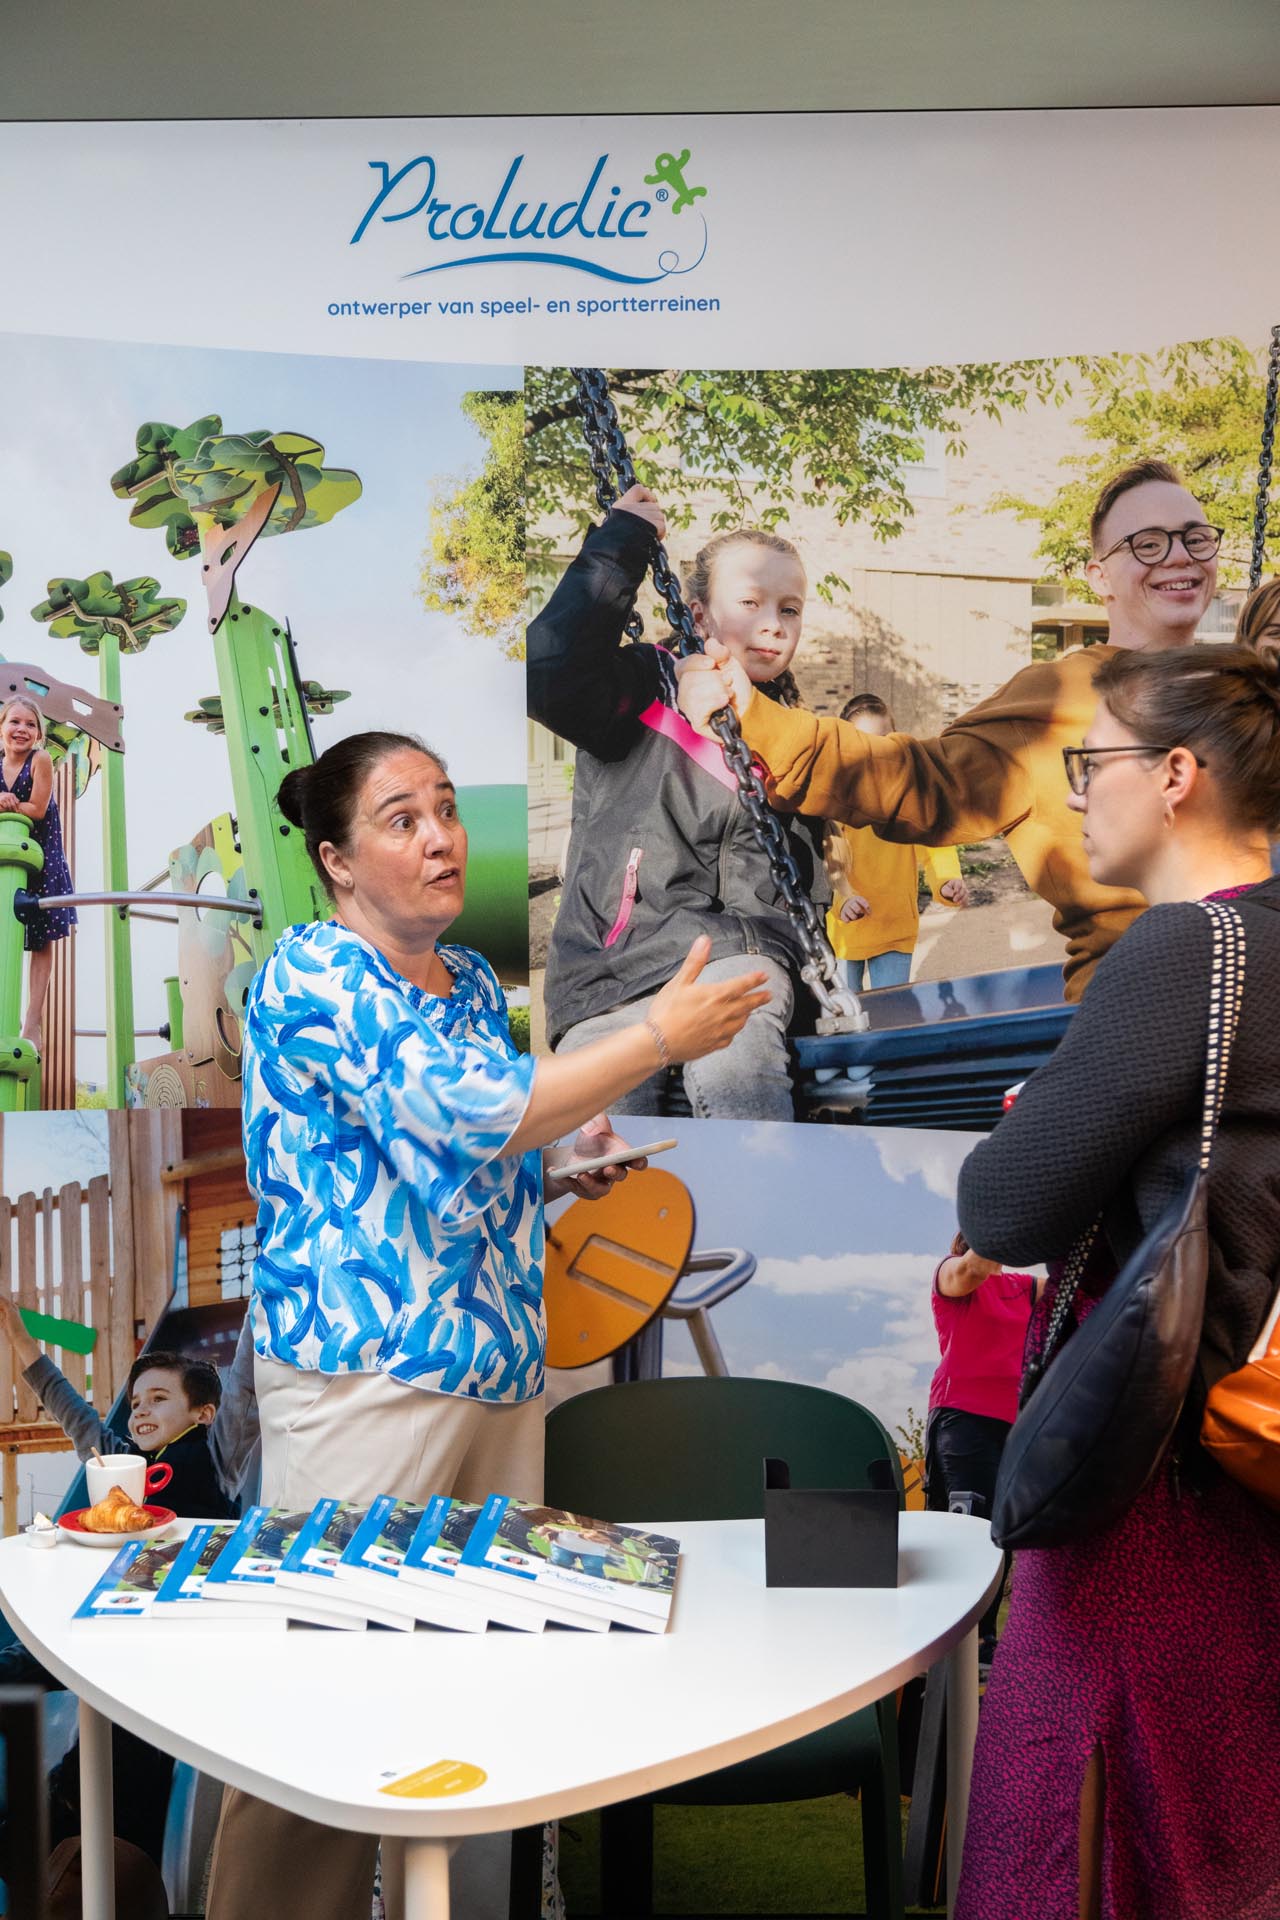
pixel 320 1725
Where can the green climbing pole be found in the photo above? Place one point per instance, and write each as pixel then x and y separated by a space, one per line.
pixel 215 494
pixel 109 618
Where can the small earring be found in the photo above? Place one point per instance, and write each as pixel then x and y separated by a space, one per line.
pixel 1168 814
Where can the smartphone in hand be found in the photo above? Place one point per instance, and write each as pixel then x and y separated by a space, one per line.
pixel 623 1157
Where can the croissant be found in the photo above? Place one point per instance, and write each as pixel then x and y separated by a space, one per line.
pixel 116 1514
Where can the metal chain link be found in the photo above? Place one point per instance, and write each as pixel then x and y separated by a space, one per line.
pixel 614 473
pixel 1262 505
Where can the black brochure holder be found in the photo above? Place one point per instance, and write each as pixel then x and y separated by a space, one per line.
pixel 830 1537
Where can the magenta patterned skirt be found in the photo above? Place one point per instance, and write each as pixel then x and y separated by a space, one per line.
pixel 1159 1642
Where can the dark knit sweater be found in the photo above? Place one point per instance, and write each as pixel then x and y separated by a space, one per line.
pixel 1112 1123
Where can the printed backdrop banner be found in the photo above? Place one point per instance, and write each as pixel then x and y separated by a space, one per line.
pixel 387 312
pixel 694 240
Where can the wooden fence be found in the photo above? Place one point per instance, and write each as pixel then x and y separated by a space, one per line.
pixel 98 1252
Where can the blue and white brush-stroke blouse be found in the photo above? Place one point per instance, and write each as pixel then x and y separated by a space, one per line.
pixel 391 1234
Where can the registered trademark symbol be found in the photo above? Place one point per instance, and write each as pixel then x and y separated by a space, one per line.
pixel 662 194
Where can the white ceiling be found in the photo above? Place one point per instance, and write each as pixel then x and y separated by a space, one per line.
pixel 121 59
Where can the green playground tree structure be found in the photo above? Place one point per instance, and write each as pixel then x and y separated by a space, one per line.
pixel 111 618
pixel 215 494
pixel 319 702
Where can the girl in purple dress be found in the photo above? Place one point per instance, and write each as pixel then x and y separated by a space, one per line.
pixel 26 786
pixel 1128 1758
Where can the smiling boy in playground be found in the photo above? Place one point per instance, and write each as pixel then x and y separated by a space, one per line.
pixel 178 1414
pixel 998 768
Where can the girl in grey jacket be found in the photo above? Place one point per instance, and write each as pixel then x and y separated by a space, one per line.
pixel 661 849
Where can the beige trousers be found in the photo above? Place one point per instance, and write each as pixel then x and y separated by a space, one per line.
pixel 355 1435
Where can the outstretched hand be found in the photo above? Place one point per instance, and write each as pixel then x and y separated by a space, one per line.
pixel 25 1350
pixel 697 1016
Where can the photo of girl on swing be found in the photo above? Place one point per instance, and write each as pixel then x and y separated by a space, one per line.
pixel 920 551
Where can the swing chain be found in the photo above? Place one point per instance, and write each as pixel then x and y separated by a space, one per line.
pixel 1263 502
pixel 607 449
pixel 614 472
pixel 841 1010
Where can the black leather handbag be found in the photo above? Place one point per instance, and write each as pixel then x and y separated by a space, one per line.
pixel 1097 1410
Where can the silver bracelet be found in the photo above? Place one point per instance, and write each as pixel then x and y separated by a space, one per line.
pixel 660 1042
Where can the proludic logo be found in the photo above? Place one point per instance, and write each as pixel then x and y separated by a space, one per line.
pixel 610 228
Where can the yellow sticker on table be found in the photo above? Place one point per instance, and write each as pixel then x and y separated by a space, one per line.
pixel 440 1781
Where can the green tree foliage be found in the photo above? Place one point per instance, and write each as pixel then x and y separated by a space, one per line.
pixel 473 567
pixel 911 1433
pixel 6 573
pixel 149 480
pixel 766 442
pixel 230 470
pixel 87 610
pixel 182 471
pixel 1198 406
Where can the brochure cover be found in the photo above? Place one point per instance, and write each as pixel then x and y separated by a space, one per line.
pixel 246 1569
pixel 437 1552
pixel 182 1597
pixel 129 1588
pixel 397 1541
pixel 621 1574
pixel 311 1562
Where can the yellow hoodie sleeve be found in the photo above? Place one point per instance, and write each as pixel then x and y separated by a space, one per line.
pixel 972 781
pixel 940 864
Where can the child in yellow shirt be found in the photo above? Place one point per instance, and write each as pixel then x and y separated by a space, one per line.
pixel 874 919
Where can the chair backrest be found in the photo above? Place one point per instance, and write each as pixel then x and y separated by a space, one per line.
pixel 695 1449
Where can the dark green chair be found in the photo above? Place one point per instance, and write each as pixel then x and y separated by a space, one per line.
pixel 694 1449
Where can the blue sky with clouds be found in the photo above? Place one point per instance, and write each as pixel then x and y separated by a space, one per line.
pixel 847 1225
pixel 70 414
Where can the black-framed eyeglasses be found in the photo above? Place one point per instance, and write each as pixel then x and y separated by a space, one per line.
pixel 1150 545
pixel 1079 762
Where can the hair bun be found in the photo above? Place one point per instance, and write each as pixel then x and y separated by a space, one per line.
pixel 291 797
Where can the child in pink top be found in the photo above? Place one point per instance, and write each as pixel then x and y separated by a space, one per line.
pixel 981 1313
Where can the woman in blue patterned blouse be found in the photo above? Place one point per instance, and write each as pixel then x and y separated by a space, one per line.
pixel 396 1143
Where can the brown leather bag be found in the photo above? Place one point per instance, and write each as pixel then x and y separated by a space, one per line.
pixel 1241 1427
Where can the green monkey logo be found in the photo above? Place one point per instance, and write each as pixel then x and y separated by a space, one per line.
pixel 668 171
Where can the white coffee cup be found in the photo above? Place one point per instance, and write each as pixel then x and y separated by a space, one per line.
pixel 126 1470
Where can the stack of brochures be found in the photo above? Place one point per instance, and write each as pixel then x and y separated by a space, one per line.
pixel 164 1580
pixel 393 1563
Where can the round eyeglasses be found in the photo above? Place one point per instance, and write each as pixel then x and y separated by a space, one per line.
pixel 1080 762
pixel 1150 545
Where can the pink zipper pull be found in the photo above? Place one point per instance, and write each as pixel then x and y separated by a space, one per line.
pixel 629 883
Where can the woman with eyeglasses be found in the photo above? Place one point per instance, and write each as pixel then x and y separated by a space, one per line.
pixel 1128 1761
pixel 997 769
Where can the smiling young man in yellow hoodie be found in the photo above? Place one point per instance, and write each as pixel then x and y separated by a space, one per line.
pixel 998 768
